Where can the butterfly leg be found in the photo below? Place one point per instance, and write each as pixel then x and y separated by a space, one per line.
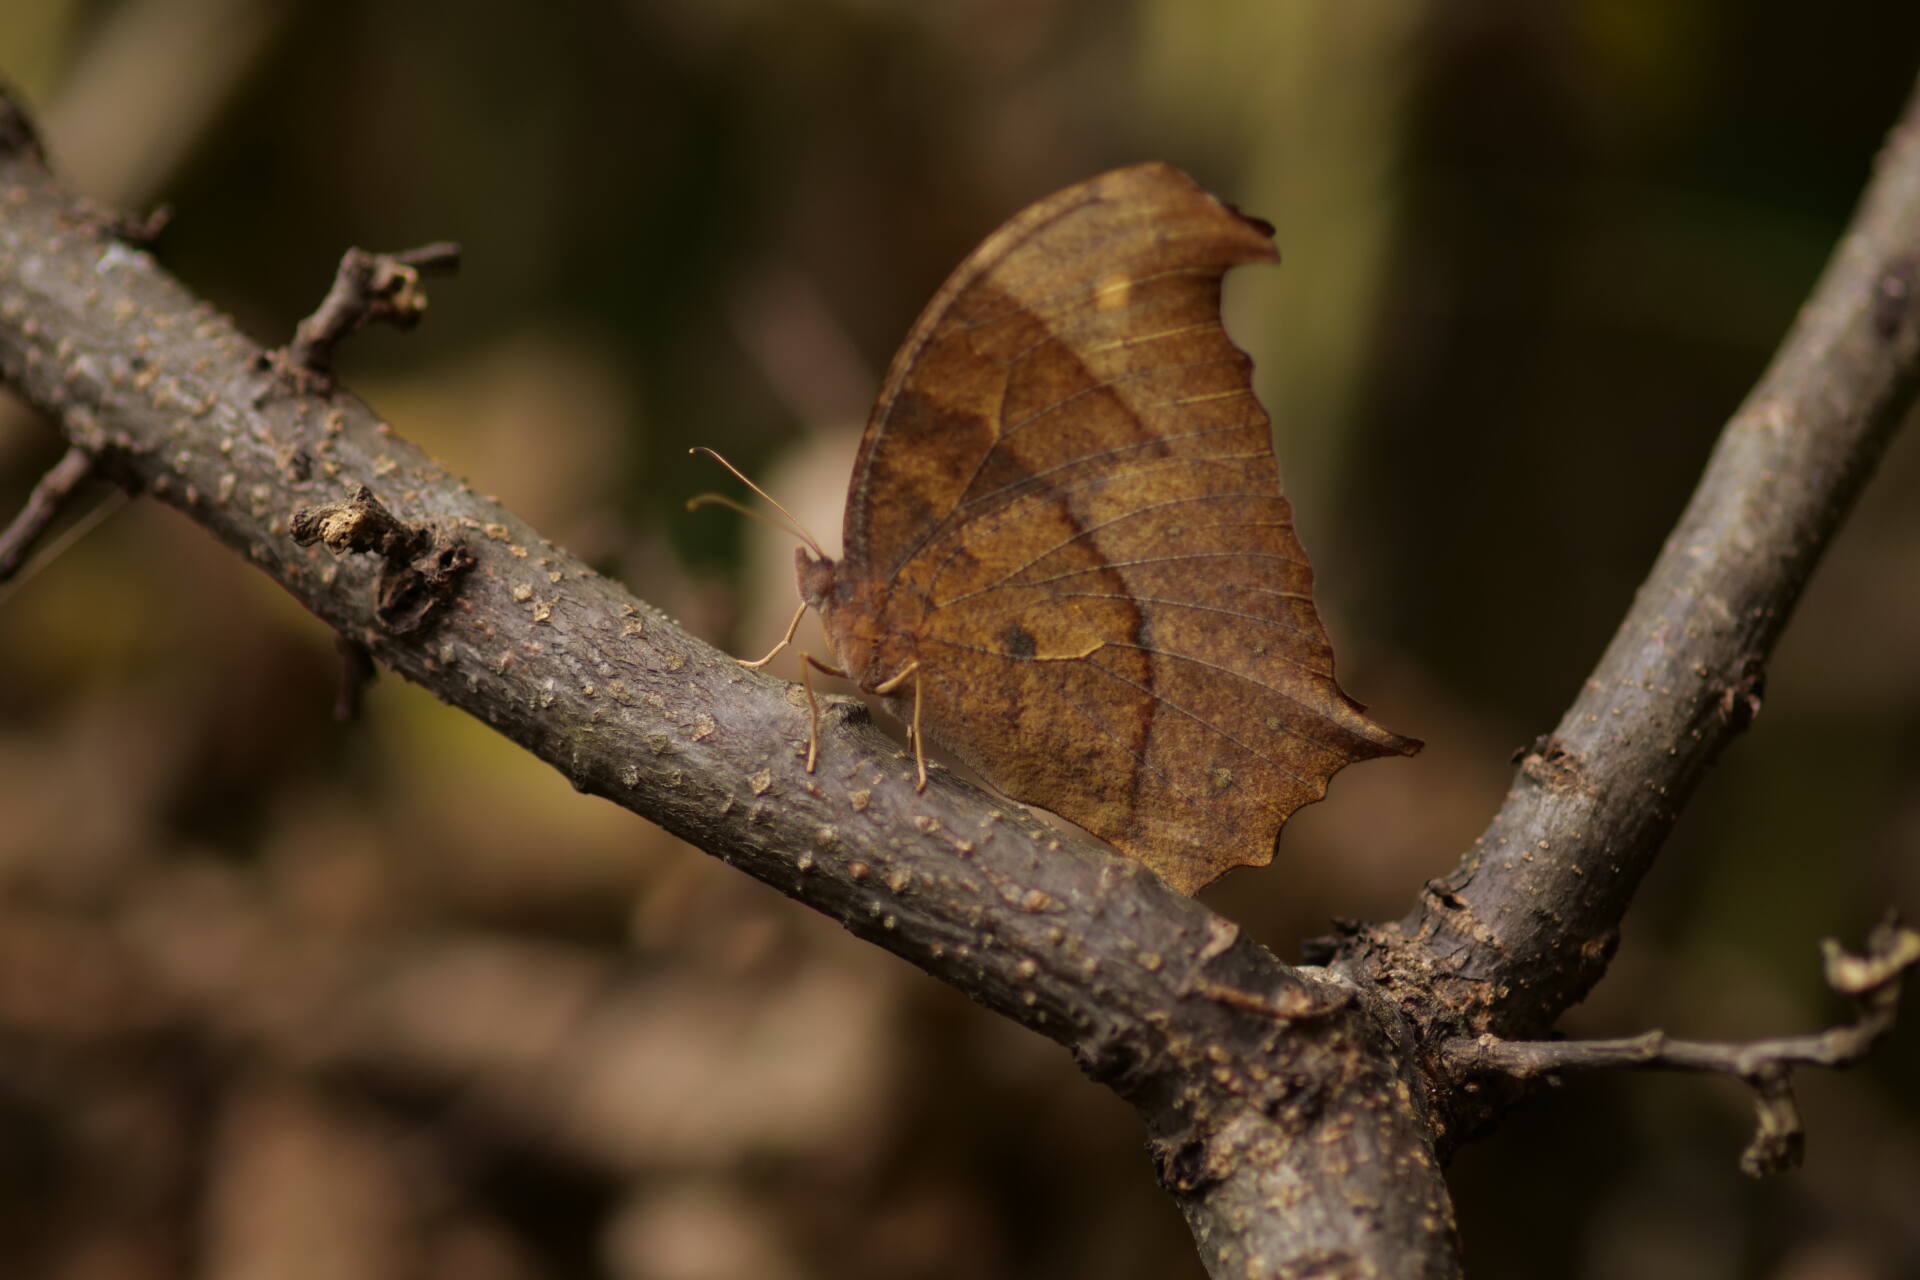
pixel 808 663
pixel 913 729
pixel 785 640
pixel 919 740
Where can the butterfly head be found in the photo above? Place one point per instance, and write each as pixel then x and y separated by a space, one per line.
pixel 845 602
pixel 824 591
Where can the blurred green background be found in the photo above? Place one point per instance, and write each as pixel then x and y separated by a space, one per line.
pixel 282 997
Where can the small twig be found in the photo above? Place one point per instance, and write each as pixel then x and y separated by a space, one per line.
pixel 356 673
pixel 140 229
pixel 43 506
pixel 1872 981
pixel 1779 1139
pixel 367 287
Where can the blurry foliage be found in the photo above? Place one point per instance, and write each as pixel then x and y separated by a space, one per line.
pixel 388 999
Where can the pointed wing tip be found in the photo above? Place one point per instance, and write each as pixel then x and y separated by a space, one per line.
pixel 1258 246
pixel 1353 717
pixel 1265 228
pixel 1379 742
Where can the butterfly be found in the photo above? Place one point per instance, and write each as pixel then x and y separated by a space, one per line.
pixel 1067 556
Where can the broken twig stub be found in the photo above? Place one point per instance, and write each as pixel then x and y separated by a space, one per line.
pixel 421 568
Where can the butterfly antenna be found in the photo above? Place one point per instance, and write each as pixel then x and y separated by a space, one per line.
pixel 793 525
pixel 734 505
pixel 788 527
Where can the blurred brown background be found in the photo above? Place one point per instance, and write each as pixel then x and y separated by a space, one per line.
pixel 281 997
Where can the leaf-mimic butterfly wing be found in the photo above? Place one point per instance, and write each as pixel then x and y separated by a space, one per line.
pixel 1066 510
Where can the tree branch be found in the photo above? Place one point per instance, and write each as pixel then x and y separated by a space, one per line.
pixel 1260 1085
pixel 1525 925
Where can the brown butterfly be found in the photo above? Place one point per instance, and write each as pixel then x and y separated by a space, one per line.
pixel 1068 559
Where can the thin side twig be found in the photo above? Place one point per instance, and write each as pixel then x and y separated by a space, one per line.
pixel 367 287
pixel 50 496
pixel 357 671
pixel 1873 981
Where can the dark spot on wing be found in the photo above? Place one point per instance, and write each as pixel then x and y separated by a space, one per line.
pixel 1018 641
